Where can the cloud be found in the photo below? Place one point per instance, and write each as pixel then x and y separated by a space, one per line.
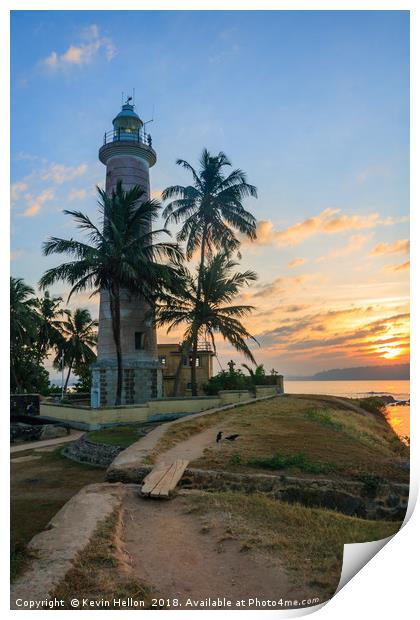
pixel 346 334
pixel 82 53
pixel 329 221
pixel 34 204
pixel 77 194
pixel 399 267
pixel 60 174
pixel 372 172
pixel 15 254
pixel 356 242
pixel 398 247
pixel 296 262
pixel 283 285
pixel 17 189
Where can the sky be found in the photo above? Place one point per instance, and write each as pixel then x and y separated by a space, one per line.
pixel 313 105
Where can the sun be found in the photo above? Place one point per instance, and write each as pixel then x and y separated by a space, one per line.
pixel 389 353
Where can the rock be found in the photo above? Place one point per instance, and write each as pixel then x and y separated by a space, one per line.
pixel 53 431
pixel 26 432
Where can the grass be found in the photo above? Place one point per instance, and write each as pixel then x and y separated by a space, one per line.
pixel 38 490
pixel 308 541
pixel 122 436
pixel 300 435
pixel 98 572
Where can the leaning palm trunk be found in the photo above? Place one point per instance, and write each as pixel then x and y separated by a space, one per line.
pixel 68 375
pixel 114 302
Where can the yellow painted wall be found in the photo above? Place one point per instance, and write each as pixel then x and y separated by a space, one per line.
pixel 85 417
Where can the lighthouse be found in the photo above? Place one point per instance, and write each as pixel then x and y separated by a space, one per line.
pixel 128 155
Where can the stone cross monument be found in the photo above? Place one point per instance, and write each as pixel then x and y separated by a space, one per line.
pixel 127 154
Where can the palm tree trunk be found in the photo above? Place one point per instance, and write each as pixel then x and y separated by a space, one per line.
pixel 193 366
pixel 68 375
pixel 13 370
pixel 114 300
pixel 202 258
pixel 184 350
pixel 177 377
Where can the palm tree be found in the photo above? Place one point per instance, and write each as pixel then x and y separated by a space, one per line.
pixel 22 321
pixel 211 209
pixel 257 374
pixel 22 313
pixel 79 340
pixel 49 321
pixel 208 312
pixel 123 256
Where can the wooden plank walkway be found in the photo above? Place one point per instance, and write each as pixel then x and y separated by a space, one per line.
pixel 163 478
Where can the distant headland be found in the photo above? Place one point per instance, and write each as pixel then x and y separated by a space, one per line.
pixel 393 372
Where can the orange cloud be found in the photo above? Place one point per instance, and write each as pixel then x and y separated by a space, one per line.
pixel 398 247
pixel 329 221
pixel 83 53
pixel 399 267
pixel 356 242
pixel 35 203
pixel 296 262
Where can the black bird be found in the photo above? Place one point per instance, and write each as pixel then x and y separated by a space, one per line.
pixel 219 436
pixel 231 437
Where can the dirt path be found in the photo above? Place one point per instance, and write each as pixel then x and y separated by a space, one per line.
pixel 193 447
pixel 46 442
pixel 183 556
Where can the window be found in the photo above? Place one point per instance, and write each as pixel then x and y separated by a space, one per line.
pixel 138 340
pixel 188 361
pixel 162 359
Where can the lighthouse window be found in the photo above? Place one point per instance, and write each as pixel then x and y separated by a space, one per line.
pixel 138 340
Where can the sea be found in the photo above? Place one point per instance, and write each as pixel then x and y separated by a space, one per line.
pixel 399 416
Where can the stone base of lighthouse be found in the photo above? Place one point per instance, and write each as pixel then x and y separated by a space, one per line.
pixel 142 381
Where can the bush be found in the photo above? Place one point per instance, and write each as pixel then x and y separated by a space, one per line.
pixel 227 380
pixel 237 380
pixel 374 404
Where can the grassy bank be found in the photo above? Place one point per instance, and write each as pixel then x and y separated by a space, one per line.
pixel 308 541
pixel 297 435
pixel 39 488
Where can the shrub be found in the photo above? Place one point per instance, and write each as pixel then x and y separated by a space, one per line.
pixel 227 380
pixel 298 460
pixel 374 404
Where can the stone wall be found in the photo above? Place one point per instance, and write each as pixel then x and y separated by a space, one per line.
pixel 98 454
pixel 142 381
pixel 387 501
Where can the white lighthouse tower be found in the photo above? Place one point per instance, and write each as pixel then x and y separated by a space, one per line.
pixel 128 155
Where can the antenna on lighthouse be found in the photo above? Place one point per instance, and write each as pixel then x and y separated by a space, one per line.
pixel 134 96
pixel 153 116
